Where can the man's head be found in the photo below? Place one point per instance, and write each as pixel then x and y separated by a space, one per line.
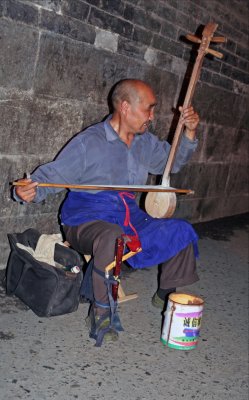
pixel 134 100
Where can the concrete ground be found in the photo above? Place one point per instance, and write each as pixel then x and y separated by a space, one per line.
pixel 53 358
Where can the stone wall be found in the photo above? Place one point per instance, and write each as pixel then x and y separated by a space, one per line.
pixel 58 61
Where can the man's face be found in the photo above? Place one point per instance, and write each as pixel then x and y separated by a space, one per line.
pixel 140 111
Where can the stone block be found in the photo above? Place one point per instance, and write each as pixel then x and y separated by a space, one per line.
pixel 131 68
pixel 67 26
pixel 168 93
pixel 71 70
pixel 169 30
pixel 240 146
pixel 240 88
pixel 141 35
pixel 242 52
pixel 244 122
pixel 38 126
pixel 236 204
pixel 230 45
pixel 219 141
pixel 130 48
pixel 164 60
pixel 179 67
pixel 207 180
pixel 187 208
pixel 238 179
pixel 114 69
pixel 229 31
pixel 75 9
pixel 211 208
pixel 17 62
pixel 218 106
pixel 113 7
pixel 53 5
pixel 93 113
pixel 214 178
pixel 93 2
pixel 184 179
pixel 161 126
pixel 201 135
pixel 150 56
pixel 226 70
pixel 21 12
pixel 206 76
pixel 173 3
pixel 168 46
pixel 106 21
pixel 229 58
pixel 164 84
pixel 240 76
pixel 244 26
pixel 185 22
pixel 237 9
pixel 212 63
pixel 196 12
pixel 220 207
pixel 106 40
pixel 142 18
pixel 147 5
pixel 243 64
pixel 166 13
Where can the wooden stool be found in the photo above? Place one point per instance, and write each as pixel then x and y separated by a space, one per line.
pixel 122 297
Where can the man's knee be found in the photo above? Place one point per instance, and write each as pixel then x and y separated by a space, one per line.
pixel 107 237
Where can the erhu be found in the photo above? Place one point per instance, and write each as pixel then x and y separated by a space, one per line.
pixel 162 205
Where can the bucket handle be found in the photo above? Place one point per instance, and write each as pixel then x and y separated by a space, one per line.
pixel 173 308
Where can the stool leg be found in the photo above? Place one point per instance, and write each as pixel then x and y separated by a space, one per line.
pixel 122 297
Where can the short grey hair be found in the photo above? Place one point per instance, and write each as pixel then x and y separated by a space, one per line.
pixel 125 90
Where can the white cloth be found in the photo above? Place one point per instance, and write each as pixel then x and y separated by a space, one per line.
pixel 44 250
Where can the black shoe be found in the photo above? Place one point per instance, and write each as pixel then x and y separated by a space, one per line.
pixel 157 302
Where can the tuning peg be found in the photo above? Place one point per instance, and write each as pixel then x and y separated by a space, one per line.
pixel 214 53
pixel 193 38
pixel 219 39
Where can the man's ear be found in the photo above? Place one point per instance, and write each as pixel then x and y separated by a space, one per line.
pixel 124 106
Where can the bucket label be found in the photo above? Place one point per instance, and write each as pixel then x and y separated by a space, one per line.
pixel 182 324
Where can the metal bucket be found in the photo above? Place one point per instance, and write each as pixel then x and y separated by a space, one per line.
pixel 182 321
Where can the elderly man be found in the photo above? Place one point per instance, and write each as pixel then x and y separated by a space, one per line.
pixel 121 151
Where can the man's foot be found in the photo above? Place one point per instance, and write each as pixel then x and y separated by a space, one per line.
pixel 157 302
pixel 110 336
pixel 160 298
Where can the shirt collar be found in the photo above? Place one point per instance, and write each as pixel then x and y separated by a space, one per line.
pixel 111 134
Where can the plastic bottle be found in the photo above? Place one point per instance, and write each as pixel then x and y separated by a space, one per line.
pixel 72 268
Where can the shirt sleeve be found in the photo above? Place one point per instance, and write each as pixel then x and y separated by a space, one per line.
pixel 68 167
pixel 161 152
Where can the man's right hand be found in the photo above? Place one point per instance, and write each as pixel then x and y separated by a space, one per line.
pixel 26 193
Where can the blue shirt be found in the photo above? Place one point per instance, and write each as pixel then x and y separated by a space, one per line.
pixel 98 156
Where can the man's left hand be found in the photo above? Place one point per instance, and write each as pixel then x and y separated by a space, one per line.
pixel 191 120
